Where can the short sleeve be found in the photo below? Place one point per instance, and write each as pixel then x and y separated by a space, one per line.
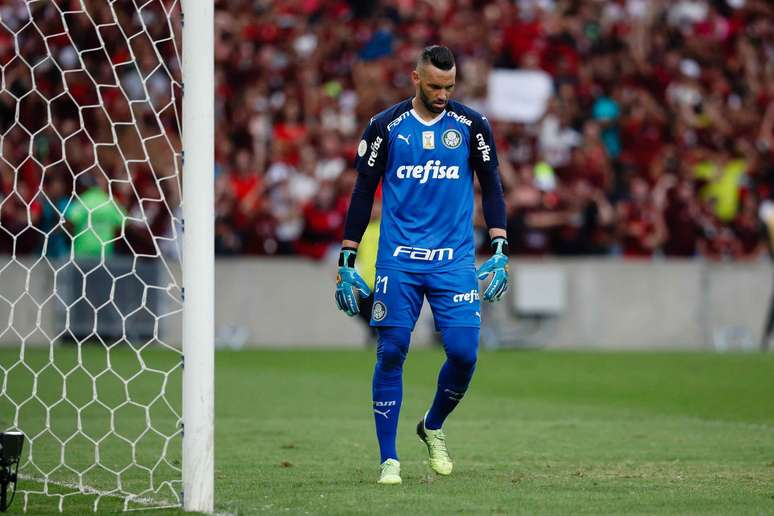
pixel 483 155
pixel 372 150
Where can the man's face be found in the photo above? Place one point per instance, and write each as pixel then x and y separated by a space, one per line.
pixel 434 86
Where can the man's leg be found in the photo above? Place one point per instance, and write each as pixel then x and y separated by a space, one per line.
pixel 391 349
pixel 397 303
pixel 461 345
pixel 454 298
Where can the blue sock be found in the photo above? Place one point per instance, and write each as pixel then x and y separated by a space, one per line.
pixel 461 345
pixel 391 349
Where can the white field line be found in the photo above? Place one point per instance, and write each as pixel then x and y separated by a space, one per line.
pixel 148 502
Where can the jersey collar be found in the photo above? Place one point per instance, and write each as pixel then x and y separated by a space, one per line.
pixel 431 122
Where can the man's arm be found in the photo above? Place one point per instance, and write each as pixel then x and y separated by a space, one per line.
pixel 370 163
pixel 497 232
pixel 483 157
pixel 359 213
pixel 492 200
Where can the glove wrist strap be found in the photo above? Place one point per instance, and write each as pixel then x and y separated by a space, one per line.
pixel 500 245
pixel 347 257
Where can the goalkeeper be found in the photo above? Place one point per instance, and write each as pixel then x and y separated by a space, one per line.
pixel 425 151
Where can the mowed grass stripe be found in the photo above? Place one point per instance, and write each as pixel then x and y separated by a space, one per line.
pixel 551 432
pixel 539 433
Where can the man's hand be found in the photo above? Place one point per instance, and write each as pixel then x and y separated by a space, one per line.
pixel 497 265
pixel 348 283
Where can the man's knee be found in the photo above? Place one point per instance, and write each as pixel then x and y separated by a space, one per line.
pixel 392 347
pixel 463 358
pixel 461 346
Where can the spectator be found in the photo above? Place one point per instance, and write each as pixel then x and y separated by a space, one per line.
pixel 664 110
pixel 97 221
pixel 607 112
pixel 323 224
pixel 18 235
pixel 641 223
pixel 681 217
pixel 52 220
pixel 748 230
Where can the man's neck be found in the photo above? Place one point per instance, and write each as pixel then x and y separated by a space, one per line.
pixel 424 113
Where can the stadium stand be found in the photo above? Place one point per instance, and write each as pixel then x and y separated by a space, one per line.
pixel 658 138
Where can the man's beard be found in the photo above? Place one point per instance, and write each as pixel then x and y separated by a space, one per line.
pixel 429 105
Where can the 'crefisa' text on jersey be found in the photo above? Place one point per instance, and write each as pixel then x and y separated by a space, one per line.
pixel 427 184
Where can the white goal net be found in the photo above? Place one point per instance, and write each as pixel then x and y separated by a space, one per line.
pixel 90 281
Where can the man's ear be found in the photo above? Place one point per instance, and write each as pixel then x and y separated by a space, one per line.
pixel 415 76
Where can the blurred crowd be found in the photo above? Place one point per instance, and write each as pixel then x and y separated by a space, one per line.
pixel 89 108
pixel 658 138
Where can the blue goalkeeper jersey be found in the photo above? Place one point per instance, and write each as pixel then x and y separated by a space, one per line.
pixel 427 184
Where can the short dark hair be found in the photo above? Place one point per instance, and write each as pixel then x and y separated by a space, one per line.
pixel 439 56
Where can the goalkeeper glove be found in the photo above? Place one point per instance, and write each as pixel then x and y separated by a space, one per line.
pixel 348 281
pixel 497 265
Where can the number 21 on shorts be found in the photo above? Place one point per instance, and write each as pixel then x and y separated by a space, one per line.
pixel 381 280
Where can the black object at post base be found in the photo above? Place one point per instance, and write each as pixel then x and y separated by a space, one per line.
pixel 11 444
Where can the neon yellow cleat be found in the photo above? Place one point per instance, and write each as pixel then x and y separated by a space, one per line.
pixel 435 440
pixel 390 472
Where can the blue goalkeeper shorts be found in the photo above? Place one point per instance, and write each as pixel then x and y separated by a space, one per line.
pixel 453 297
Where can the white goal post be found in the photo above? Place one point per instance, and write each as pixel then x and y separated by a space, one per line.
pixel 198 255
pixel 107 252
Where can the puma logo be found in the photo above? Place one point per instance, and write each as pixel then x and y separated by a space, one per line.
pixel 454 396
pixel 405 138
pixel 383 413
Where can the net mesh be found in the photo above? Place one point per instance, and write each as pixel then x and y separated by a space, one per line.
pixel 90 290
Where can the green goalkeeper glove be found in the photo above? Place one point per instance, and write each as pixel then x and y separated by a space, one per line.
pixel 348 282
pixel 497 265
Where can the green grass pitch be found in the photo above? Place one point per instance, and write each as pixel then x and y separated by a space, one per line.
pixel 538 433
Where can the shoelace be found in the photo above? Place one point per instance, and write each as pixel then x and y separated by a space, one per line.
pixel 391 467
pixel 439 443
